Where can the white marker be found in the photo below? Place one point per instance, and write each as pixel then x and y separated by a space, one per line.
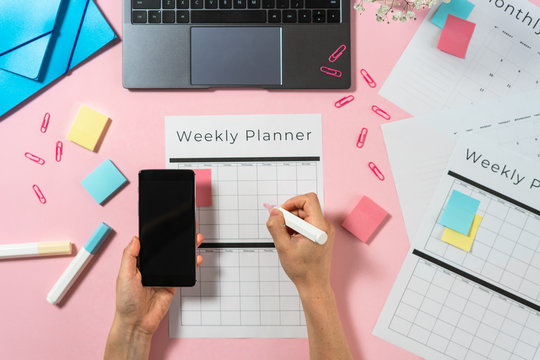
pixel 303 227
pixel 77 265
pixel 49 248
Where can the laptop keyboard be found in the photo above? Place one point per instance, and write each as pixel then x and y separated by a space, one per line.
pixel 235 11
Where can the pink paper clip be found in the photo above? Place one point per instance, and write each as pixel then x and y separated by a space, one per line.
pixel 361 138
pixel 34 158
pixel 376 171
pixel 336 54
pixel 45 122
pixel 59 150
pixel 330 71
pixel 39 194
pixel 377 110
pixel 343 101
pixel 371 83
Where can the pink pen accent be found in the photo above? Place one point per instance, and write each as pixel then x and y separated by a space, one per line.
pixel 371 83
pixel 34 158
pixel 377 110
pixel 361 138
pixel 59 150
pixel 269 207
pixel 344 101
pixel 39 194
pixel 332 72
pixel 376 171
pixel 45 122
pixel 336 54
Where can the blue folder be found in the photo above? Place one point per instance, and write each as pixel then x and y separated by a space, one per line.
pixel 80 31
pixel 25 33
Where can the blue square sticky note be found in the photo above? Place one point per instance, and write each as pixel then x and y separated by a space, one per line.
pixel 459 212
pixel 459 8
pixel 104 181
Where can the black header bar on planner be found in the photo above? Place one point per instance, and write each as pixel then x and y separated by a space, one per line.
pixel 493 192
pixel 477 280
pixel 245 159
pixel 236 245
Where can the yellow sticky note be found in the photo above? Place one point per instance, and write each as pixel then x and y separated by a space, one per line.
pixel 459 240
pixel 88 128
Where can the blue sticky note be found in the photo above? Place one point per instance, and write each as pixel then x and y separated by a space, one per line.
pixel 459 212
pixel 459 8
pixel 104 181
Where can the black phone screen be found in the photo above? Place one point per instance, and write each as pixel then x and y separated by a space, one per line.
pixel 167 227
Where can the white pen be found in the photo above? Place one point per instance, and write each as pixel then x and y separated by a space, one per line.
pixel 48 248
pixel 303 227
pixel 77 265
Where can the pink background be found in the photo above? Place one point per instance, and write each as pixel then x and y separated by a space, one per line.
pixel 362 275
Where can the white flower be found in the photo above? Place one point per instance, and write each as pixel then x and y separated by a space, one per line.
pixel 397 15
pixel 418 3
pixel 410 14
pixel 359 7
pixel 383 10
pixel 379 18
pixel 430 3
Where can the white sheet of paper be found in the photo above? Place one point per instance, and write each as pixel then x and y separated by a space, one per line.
pixel 451 304
pixel 419 148
pixel 503 58
pixel 241 290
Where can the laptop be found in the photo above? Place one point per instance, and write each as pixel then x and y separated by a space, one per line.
pixel 273 44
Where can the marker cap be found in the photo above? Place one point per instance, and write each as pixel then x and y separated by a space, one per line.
pixel 97 238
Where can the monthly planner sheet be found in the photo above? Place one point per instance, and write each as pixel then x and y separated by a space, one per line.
pixel 503 58
pixel 448 303
pixel 242 290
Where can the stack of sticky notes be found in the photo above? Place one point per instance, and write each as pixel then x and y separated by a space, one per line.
pixel 43 40
pixel 365 219
pixel 461 220
pixel 88 127
pixel 457 31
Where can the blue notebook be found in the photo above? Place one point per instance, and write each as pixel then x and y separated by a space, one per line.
pixel 80 31
pixel 25 34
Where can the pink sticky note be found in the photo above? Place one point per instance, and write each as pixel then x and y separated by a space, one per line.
pixel 456 36
pixel 365 219
pixel 203 187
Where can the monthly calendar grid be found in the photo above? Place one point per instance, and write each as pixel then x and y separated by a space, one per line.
pixel 504 330
pixel 506 249
pixel 503 65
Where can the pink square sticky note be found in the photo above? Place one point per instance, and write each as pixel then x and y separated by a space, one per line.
pixel 365 219
pixel 203 187
pixel 456 36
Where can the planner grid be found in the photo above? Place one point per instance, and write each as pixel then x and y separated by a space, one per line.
pixel 241 283
pixel 506 249
pixel 239 190
pixel 502 66
pixel 241 287
pixel 464 320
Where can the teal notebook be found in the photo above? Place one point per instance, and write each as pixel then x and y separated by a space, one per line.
pixel 80 31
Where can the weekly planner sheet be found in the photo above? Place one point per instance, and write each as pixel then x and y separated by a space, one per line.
pixel 448 303
pixel 502 59
pixel 242 290
pixel 419 148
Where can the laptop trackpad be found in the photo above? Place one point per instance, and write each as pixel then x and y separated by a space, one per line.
pixel 236 55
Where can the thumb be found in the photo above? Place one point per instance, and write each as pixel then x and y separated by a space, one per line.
pixel 276 227
pixel 128 266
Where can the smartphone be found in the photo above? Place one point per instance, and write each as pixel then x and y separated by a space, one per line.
pixel 167 227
